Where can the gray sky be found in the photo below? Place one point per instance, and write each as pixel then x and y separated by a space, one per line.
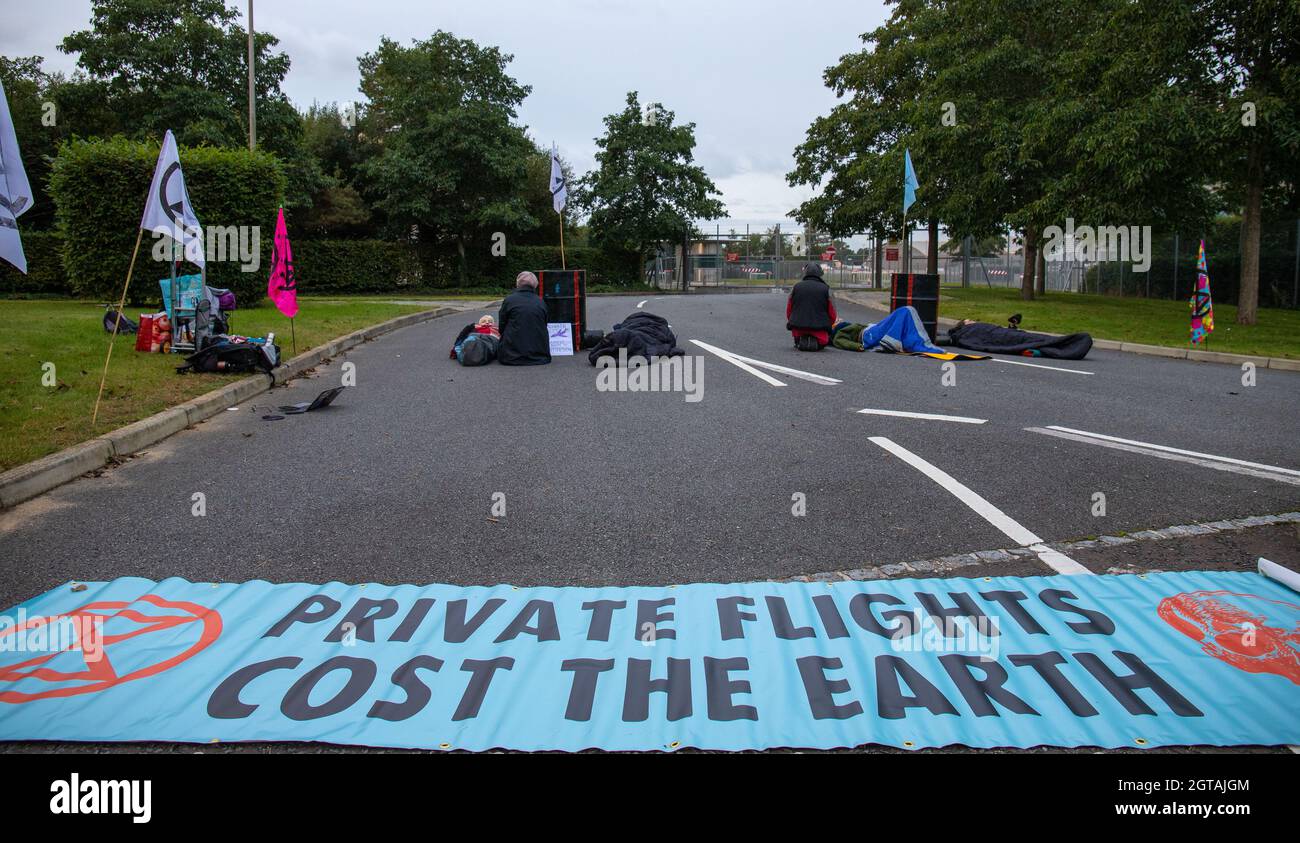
pixel 748 73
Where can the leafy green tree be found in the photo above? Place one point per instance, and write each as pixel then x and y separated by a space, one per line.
pixel 451 159
pixel 646 187
pixel 1017 113
pixel 1248 56
pixel 182 65
pixel 26 87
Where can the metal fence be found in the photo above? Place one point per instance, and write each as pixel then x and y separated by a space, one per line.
pixel 1167 271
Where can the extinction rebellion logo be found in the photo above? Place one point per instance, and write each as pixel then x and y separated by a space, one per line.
pixel 99 645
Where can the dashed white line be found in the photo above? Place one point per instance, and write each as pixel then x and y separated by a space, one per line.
pixel 641 303
pixel 927 416
pixel 1013 529
pixel 1040 366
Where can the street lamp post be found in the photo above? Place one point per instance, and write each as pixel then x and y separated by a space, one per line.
pixel 252 101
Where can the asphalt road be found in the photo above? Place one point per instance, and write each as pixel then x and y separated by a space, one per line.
pixel 395 482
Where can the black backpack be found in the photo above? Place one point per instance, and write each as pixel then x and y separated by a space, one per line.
pixel 228 358
pixel 124 323
pixel 478 350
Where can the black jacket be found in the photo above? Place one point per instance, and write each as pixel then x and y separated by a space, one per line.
pixel 643 334
pixel 524 341
pixel 809 302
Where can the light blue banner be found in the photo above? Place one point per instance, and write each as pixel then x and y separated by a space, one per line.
pixel 1111 661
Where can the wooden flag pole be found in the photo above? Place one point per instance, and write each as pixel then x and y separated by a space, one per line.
pixel 293 336
pixel 116 323
pixel 563 264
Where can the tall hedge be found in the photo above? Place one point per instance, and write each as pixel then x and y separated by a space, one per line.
pixel 99 189
pixel 603 267
pixel 45 275
pixel 354 266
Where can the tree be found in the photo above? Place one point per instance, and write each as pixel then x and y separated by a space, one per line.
pixel 451 158
pixel 646 188
pixel 1249 58
pixel 26 86
pixel 182 65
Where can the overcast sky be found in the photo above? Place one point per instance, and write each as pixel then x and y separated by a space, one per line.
pixel 748 73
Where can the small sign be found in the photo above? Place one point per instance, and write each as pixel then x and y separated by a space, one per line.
pixel 561 335
pixel 891 254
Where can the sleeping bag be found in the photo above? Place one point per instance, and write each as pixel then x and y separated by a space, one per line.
pixel 642 334
pixel 982 336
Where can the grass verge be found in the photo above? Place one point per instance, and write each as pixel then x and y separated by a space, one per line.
pixel 1147 321
pixel 36 420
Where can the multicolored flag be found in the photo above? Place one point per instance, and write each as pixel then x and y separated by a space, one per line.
pixel 282 287
pixel 1202 304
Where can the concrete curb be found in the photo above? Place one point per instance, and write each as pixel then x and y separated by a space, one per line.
pixel 40 476
pixel 1279 363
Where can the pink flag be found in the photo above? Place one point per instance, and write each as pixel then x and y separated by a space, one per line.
pixel 283 285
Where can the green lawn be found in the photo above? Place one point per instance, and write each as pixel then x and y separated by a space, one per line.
pixel 1148 321
pixel 36 420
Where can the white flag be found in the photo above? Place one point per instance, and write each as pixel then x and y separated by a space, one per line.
pixel 15 191
pixel 168 210
pixel 559 187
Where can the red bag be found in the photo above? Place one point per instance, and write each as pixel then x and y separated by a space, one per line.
pixel 144 337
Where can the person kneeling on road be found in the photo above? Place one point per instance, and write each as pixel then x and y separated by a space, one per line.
pixel 810 312
pixel 524 341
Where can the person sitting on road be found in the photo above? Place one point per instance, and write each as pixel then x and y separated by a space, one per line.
pixel 524 341
pixel 810 312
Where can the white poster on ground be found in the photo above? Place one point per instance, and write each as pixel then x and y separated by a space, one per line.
pixel 561 335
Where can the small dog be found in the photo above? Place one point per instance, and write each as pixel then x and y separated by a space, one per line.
pixel 1014 322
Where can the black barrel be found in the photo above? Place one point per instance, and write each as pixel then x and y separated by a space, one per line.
pixel 922 293
pixel 565 294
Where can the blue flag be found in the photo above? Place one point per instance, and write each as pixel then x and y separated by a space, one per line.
pixel 909 181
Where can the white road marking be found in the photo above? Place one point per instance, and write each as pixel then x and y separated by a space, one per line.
pixel 748 364
pixel 930 416
pixel 733 361
pixel 785 370
pixel 1147 452
pixel 1040 366
pixel 1017 532
pixel 1272 469
pixel 1058 561
pixel 641 303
